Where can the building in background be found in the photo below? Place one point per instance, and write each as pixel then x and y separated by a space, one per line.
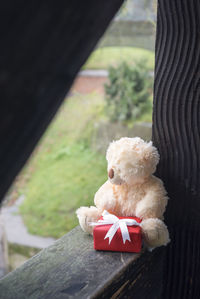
pixel 134 26
pixel 138 10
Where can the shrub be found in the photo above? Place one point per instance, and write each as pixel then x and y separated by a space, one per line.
pixel 128 91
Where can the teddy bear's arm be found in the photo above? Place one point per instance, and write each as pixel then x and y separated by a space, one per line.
pixel 154 202
pixel 104 199
pixel 86 215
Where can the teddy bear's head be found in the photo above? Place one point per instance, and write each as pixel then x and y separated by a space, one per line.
pixel 131 160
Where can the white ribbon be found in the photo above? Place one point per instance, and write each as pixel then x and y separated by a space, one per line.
pixel 116 223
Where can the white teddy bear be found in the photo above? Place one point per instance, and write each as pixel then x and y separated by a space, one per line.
pixel 131 190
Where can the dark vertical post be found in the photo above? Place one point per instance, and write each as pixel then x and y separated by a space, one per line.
pixel 176 133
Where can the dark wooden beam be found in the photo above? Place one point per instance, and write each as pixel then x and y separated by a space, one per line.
pixel 71 268
pixel 176 133
pixel 43 45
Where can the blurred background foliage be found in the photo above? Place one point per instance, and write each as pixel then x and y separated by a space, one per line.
pixel 128 91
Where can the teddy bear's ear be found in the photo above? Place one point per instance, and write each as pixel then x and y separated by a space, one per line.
pixel 150 154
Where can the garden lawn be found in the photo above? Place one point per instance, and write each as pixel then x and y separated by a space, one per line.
pixel 102 58
pixel 64 172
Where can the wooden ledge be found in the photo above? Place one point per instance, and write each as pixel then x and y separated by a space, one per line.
pixel 71 268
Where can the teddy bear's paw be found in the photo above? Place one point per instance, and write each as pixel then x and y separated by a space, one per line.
pixel 155 232
pixel 87 215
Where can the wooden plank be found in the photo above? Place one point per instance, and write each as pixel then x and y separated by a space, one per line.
pixel 43 46
pixel 176 133
pixel 71 268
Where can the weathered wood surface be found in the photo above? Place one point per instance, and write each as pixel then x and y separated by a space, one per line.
pixel 43 45
pixel 71 268
pixel 176 133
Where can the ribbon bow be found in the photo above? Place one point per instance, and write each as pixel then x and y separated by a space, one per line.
pixel 116 223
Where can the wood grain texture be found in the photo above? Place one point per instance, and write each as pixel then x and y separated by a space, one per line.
pixel 71 268
pixel 176 133
pixel 43 45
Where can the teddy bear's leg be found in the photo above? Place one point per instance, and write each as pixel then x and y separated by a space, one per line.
pixel 155 232
pixel 86 215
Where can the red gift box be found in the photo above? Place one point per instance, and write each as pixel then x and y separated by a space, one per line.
pixel 117 244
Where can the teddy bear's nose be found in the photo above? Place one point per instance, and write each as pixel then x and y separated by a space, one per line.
pixel 111 173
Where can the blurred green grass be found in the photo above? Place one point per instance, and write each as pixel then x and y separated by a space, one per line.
pixel 66 173
pixel 102 58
